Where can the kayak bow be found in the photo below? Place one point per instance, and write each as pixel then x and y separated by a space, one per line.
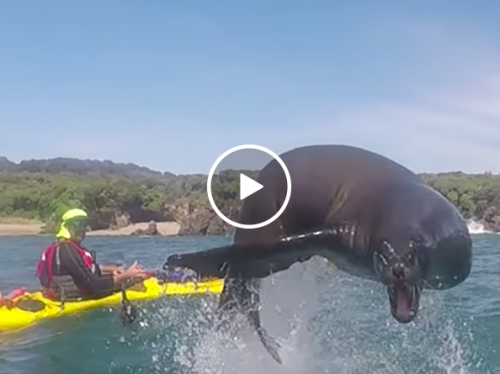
pixel 27 308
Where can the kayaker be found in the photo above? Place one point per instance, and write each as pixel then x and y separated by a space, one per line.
pixel 68 271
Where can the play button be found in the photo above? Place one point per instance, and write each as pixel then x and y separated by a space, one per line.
pixel 234 180
pixel 248 186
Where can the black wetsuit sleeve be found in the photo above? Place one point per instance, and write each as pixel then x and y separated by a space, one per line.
pixel 97 285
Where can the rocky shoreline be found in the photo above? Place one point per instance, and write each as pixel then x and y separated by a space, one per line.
pixel 482 227
pixel 196 227
pixel 119 196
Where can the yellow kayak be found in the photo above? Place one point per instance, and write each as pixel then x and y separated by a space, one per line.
pixel 32 307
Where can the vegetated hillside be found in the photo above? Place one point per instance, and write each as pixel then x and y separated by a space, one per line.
pixel 81 167
pixel 116 195
pixel 6 165
pixel 477 196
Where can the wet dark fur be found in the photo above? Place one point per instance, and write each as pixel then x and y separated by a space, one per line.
pixel 346 200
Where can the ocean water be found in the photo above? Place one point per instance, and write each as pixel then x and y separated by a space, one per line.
pixel 325 321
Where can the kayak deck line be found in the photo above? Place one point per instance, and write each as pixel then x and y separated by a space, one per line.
pixel 28 308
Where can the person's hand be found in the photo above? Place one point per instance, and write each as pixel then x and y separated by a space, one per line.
pixel 133 272
pixel 118 270
pixel 136 271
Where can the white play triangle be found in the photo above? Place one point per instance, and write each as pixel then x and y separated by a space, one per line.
pixel 248 186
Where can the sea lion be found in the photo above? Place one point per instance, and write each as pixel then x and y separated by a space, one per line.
pixel 369 215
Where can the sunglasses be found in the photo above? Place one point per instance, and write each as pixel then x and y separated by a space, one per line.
pixel 77 224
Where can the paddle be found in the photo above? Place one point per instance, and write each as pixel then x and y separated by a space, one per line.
pixel 128 311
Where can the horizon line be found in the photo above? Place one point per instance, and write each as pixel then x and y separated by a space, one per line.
pixel 203 173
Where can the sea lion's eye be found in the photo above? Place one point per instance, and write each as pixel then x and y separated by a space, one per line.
pixel 414 246
pixel 381 265
pixel 381 258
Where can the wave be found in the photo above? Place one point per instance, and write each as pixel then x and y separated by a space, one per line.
pixel 477 227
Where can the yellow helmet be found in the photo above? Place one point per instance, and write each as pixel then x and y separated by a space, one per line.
pixel 77 218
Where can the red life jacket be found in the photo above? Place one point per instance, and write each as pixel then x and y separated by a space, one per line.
pixel 46 259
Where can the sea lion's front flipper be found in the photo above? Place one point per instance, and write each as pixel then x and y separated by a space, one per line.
pixel 207 263
pixel 255 261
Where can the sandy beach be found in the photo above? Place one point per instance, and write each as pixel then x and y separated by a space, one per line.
pixel 165 228
pixel 17 229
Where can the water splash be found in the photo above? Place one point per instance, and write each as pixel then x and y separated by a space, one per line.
pixel 452 356
pixel 240 351
pixel 326 323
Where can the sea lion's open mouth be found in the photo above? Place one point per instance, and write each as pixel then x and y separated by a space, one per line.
pixel 404 299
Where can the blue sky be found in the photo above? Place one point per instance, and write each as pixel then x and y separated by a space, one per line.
pixel 172 85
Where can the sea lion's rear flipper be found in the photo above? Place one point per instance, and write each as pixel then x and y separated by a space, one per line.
pixel 252 298
pixel 250 261
pixel 241 265
pixel 271 345
pixel 242 296
pixel 231 302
